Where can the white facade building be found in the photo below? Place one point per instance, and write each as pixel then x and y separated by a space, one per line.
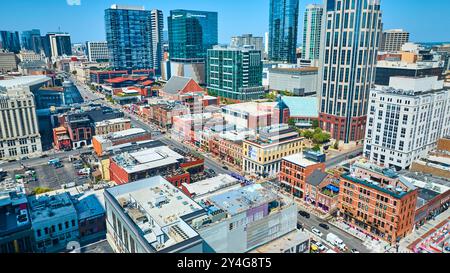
pixel 405 120
pixel 97 51
pixel 312 32
pixel 19 131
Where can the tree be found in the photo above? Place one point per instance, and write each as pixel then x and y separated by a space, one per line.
pixel 316 148
pixel 315 124
pixel 336 145
pixel 40 190
pixel 308 134
pixel 74 72
pixel 321 137
pixel 291 122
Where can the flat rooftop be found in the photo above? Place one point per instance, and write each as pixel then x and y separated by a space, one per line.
pixel 147 159
pixel 157 207
pixel 45 207
pixel 284 243
pixel 206 186
pixel 300 160
pixel 24 81
pixel 120 134
pixel 242 199
pixel 253 108
pixel 112 121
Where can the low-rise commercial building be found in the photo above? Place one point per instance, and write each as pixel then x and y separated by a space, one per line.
pixel 16 234
pixel 378 201
pixel 55 221
pixel 302 81
pixel 243 219
pixel 263 154
pixel 112 125
pixel 150 216
pixel 102 143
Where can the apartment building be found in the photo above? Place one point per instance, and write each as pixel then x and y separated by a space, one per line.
pixel 406 120
pixel 393 40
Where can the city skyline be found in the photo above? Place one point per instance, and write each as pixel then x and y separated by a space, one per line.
pixel 91 28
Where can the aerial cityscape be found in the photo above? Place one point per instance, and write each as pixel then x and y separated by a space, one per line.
pixel 326 130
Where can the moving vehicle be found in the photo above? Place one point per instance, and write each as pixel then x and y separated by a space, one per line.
pixel 336 241
pixel 225 168
pixel 299 226
pixel 354 250
pixel 304 214
pixel 324 226
pixel 54 161
pixel 317 232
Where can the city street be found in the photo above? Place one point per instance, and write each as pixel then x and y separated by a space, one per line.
pixel 209 163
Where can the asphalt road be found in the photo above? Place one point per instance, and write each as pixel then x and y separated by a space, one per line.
pixel 349 240
pixel 335 161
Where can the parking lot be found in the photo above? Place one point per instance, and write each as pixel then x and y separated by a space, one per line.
pixel 53 178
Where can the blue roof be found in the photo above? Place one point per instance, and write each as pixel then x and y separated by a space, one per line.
pixel 302 106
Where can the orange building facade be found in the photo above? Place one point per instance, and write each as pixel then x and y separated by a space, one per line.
pixel 377 201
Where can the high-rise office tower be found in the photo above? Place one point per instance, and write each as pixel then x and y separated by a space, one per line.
pixel 235 73
pixel 129 33
pixel 191 34
pixel 97 51
pixel 248 40
pixel 392 40
pixel 349 53
pixel 312 32
pixel 31 40
pixel 157 28
pixel 60 44
pixel 10 41
pixel 283 28
pixel 56 44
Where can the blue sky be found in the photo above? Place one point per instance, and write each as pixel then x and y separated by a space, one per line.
pixel 427 21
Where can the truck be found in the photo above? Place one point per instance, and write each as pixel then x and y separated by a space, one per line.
pixel 336 241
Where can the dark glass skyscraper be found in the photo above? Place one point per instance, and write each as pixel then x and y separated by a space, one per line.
pixel 9 40
pixel 191 34
pixel 283 30
pixel 129 33
pixel 31 40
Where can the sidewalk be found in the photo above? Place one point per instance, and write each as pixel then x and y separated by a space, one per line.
pixel 377 246
pixel 420 233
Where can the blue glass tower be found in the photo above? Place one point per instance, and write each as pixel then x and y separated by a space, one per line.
pixel 191 34
pixel 283 30
pixel 9 40
pixel 31 40
pixel 129 37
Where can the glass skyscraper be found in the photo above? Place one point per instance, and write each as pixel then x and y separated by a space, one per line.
pixel 312 32
pixel 129 32
pixel 191 34
pixel 348 56
pixel 283 30
pixel 9 40
pixel 31 40
pixel 235 73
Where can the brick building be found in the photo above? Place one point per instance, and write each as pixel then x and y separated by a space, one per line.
pixel 378 201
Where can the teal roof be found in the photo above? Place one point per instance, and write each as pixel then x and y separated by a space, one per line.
pixel 302 106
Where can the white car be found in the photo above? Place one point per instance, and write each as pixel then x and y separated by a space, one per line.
pixel 317 232
pixel 321 246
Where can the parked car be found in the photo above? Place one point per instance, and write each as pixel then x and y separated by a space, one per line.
pixel 321 246
pixel 299 226
pixel 317 232
pixel 225 168
pixel 354 250
pixel 324 226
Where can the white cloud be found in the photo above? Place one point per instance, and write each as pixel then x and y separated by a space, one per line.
pixel 73 2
